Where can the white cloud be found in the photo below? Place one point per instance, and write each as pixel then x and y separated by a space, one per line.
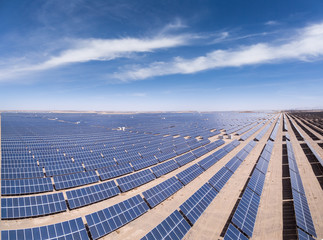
pixel 306 45
pixel 86 50
pixel 271 23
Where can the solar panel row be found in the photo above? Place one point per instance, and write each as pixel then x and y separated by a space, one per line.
pixel 24 207
pixel 109 219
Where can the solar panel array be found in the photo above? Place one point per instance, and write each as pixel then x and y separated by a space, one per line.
pixel 133 156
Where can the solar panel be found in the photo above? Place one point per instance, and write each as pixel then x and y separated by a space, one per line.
pixel 163 168
pixel 163 157
pixel 184 159
pixel 24 207
pixel 88 195
pixel 246 212
pixel 303 235
pixel 26 186
pixel 208 162
pixel 233 233
pixel 20 173
pixel 256 182
pixel 296 182
pixel 173 227
pixel 233 164
pixel 189 174
pixel 109 219
pixel 200 151
pixel 131 181
pixel 143 163
pixel 262 165
pixel 72 229
pixel 198 202
pixel 220 178
pixel 54 170
pixel 115 171
pixel 242 154
pixel 303 214
pixel 74 180
pixel 162 191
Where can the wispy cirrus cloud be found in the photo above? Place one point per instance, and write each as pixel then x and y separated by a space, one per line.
pixel 305 45
pixel 85 50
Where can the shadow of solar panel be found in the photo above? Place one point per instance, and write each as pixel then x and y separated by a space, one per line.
pixel 74 180
pixel 303 214
pixel 246 212
pixel 162 191
pixel 198 202
pixel 24 207
pixel 303 235
pixel 256 182
pixel 189 174
pixel 220 178
pixel 184 159
pixel 131 181
pixel 72 229
pixel 115 171
pixel 88 195
pixel 143 163
pixel 173 227
pixel 109 219
pixel 234 234
pixel 26 186
pixel 164 168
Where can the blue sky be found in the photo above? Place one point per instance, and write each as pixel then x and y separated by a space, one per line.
pixel 161 55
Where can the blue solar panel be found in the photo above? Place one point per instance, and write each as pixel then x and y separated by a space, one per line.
pixel 163 168
pixel 163 157
pixel 234 234
pixel 54 170
pixel 198 202
pixel 109 219
pixel 303 235
pixel 172 228
pixel 242 154
pixel 208 162
pixel 72 229
pixel 200 151
pixel 144 163
pixel 24 207
pixel 88 195
pixel 220 178
pixel 26 186
pixel 256 182
pixel 20 173
pixel 189 174
pixel 162 191
pixel 296 182
pixel 184 159
pixel 233 164
pixel 131 181
pixel 115 171
pixel 303 214
pixel 246 212
pixel 74 180
pixel 262 165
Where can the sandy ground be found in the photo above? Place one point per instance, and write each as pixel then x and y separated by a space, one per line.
pixel 210 224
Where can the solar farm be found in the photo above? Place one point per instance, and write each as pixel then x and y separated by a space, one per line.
pixel 150 176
